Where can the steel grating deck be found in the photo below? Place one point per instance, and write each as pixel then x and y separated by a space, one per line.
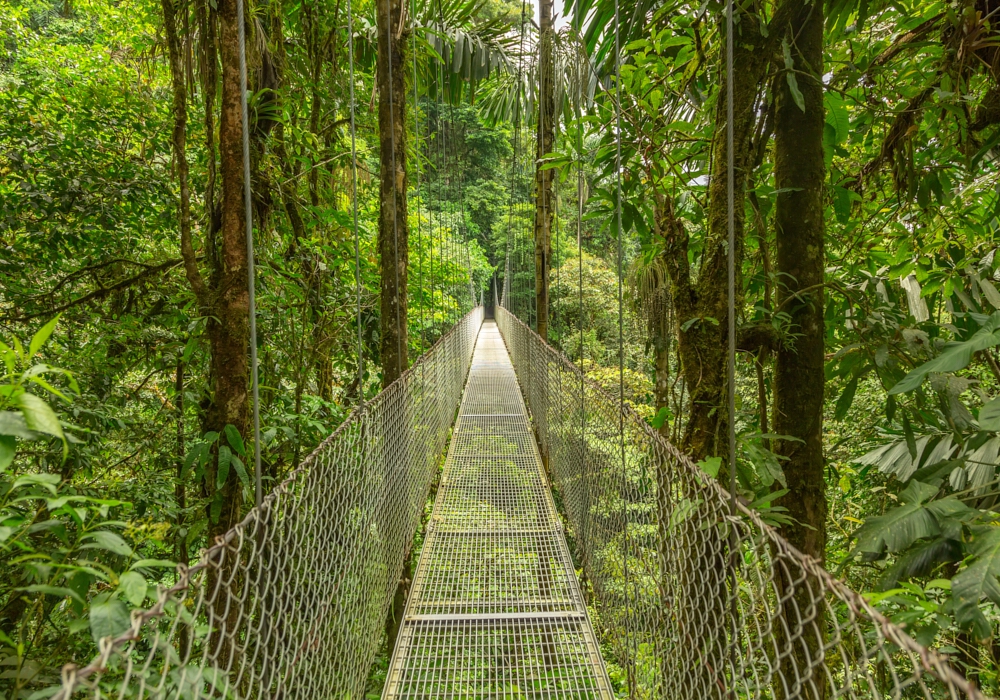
pixel 495 610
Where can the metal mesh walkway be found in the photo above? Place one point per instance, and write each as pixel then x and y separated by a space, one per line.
pixel 495 609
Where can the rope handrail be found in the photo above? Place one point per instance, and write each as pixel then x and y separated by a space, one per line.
pixel 222 629
pixel 699 651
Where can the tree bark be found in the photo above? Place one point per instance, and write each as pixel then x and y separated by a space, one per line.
pixel 544 144
pixel 798 373
pixel 228 329
pixel 393 228
pixel 209 71
pixel 393 245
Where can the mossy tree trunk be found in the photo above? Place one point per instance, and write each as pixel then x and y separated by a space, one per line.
pixel 393 242
pixel 229 328
pixel 700 300
pixel 798 375
pixel 393 230
pixel 544 144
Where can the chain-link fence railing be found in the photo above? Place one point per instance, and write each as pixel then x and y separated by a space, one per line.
pixel 692 601
pixel 291 602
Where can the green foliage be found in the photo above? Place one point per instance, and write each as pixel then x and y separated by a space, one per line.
pixel 69 576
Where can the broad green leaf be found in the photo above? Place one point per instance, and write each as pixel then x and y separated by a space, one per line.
pixel 49 388
pixel 978 581
pixel 711 466
pixel 989 415
pixel 196 453
pixel 921 559
pixel 38 340
pixel 57 591
pixel 47 481
pixel 901 526
pixel 235 440
pixel 8 446
pixel 38 415
pixel 225 459
pixel 836 115
pixel 846 399
pixel 982 463
pixel 793 83
pixel 9 357
pixel 109 617
pixel 991 293
pixel 108 541
pixel 215 510
pixel 12 423
pixel 661 417
pixel 954 357
pixel 241 471
pixel 153 563
pixel 133 586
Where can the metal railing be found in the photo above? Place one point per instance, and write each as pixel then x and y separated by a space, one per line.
pixel 692 600
pixel 291 602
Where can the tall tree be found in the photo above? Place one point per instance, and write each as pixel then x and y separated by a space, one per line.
pixel 393 229
pixel 798 376
pixel 229 328
pixel 224 298
pixel 544 144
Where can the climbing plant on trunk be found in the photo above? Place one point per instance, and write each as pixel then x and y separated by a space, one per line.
pixel 393 230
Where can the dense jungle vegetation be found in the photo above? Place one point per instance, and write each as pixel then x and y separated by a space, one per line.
pixel 868 323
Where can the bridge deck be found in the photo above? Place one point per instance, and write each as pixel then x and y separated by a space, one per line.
pixel 495 610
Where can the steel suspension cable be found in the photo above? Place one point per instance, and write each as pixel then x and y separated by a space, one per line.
pixel 416 151
pixel 465 230
pixel 354 206
pixel 731 260
pixel 621 306
pixel 251 275
pixel 509 293
pixel 444 257
pixel 731 321
pixel 579 251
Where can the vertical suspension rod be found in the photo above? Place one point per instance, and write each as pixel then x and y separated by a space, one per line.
pixel 251 275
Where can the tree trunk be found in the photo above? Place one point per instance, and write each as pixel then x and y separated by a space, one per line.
pixel 228 329
pixel 179 143
pixel 208 24
pixel 701 305
pixel 544 144
pixel 393 229
pixel 798 374
pixel 393 242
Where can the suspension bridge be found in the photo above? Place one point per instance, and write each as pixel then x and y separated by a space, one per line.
pixel 572 552
pixel 671 594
